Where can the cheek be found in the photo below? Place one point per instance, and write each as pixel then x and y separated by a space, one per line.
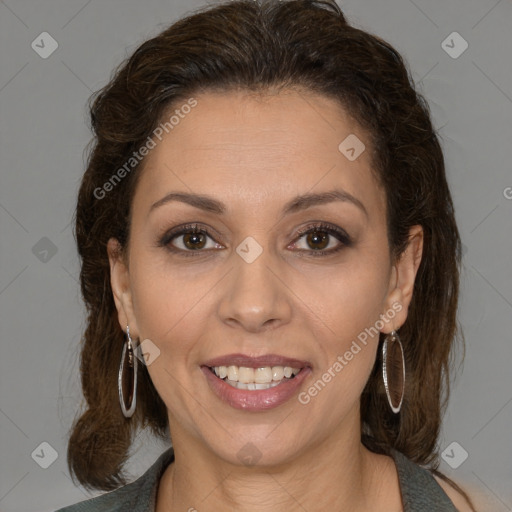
pixel 170 313
pixel 164 298
pixel 346 298
pixel 173 311
pixel 347 339
pixel 348 305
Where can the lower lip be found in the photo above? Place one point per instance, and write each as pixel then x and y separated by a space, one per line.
pixel 259 399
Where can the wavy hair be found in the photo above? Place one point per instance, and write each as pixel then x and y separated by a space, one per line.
pixel 259 46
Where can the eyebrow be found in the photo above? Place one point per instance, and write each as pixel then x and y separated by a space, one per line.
pixel 299 203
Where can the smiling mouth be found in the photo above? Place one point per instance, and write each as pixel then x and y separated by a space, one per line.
pixel 253 379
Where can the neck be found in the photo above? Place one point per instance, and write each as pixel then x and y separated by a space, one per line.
pixel 339 474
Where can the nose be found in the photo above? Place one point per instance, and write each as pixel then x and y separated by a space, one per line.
pixel 256 297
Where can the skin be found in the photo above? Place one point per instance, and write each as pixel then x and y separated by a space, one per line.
pixel 255 154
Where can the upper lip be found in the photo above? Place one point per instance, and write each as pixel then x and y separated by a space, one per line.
pixel 255 362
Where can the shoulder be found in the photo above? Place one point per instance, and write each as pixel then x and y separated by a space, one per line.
pixel 455 496
pixel 421 490
pixel 114 501
pixel 137 496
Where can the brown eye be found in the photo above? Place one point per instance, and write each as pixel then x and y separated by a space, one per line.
pixel 194 240
pixel 189 239
pixel 322 240
pixel 318 240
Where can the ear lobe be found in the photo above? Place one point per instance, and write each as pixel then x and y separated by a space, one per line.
pixel 120 284
pixel 404 276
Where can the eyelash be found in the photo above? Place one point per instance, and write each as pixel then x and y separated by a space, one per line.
pixel 340 234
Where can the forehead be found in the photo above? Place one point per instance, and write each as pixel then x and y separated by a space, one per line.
pixel 256 148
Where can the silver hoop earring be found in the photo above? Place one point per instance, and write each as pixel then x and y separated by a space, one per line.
pixel 127 378
pixel 393 370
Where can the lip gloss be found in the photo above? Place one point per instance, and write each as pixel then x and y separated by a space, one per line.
pixel 255 400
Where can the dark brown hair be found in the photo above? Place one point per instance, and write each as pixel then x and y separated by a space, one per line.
pixel 259 46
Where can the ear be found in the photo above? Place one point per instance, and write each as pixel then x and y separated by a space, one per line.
pixel 120 284
pixel 401 283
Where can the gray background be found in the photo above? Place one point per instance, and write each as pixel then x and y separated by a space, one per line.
pixel 43 135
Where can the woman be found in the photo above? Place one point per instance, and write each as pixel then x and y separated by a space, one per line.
pixel 270 263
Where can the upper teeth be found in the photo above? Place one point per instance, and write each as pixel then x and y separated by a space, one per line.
pixel 262 375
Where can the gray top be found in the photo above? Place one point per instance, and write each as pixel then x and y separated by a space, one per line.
pixel 420 491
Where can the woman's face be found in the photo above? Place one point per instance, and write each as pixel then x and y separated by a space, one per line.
pixel 250 284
